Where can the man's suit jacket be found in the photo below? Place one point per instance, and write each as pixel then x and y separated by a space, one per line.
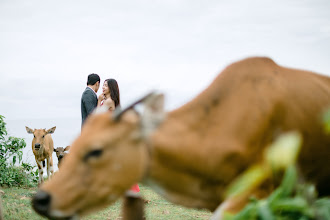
pixel 88 103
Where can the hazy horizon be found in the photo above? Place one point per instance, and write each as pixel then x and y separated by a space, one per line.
pixel 48 48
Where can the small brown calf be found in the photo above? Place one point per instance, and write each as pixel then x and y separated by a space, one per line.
pixel 60 153
pixel 42 147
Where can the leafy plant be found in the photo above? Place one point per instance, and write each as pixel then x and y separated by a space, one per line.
pixel 12 171
pixel 326 121
pixel 289 201
pixel 292 199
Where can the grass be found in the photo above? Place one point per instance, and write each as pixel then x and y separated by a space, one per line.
pixel 16 204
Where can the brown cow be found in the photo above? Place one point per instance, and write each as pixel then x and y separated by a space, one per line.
pixel 60 153
pixel 192 154
pixel 42 147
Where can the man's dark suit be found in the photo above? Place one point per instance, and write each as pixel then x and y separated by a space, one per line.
pixel 88 103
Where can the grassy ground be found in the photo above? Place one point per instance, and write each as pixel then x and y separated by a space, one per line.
pixel 17 206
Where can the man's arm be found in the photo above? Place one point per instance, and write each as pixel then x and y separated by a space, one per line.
pixel 89 102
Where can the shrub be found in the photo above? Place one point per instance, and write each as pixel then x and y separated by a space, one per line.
pixel 13 172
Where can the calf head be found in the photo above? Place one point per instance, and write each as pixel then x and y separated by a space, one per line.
pixel 61 152
pixel 107 158
pixel 39 137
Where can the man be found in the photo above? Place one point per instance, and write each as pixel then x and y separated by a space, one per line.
pixel 89 97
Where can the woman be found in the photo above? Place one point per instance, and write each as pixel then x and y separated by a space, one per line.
pixel 110 97
pixel 110 94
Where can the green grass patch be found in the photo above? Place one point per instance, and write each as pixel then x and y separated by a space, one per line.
pixel 16 204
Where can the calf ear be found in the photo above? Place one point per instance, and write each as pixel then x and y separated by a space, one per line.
pixel 51 130
pixel 29 130
pixel 67 148
pixel 153 114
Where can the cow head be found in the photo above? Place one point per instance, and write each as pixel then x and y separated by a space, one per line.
pixel 39 136
pixel 61 152
pixel 108 157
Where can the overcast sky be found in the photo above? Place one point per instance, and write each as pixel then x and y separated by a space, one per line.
pixel 47 49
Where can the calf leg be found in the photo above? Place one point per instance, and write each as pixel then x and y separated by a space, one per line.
pixel 50 169
pixel 41 172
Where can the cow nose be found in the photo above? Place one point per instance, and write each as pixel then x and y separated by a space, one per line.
pixel 41 202
pixel 37 145
pixel 60 157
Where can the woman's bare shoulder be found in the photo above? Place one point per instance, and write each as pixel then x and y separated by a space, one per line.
pixel 109 102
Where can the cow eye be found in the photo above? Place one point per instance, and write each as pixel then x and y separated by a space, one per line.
pixel 34 136
pixel 43 136
pixel 93 153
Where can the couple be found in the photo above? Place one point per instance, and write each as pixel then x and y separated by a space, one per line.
pixel 109 97
pixel 89 100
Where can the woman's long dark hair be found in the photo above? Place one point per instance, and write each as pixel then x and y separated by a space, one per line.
pixel 114 91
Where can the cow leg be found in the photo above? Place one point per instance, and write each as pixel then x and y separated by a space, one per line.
pixel 41 172
pixel 50 169
pixel 133 207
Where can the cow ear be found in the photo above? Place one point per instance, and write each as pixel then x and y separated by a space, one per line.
pixel 67 148
pixel 153 114
pixel 29 130
pixel 51 130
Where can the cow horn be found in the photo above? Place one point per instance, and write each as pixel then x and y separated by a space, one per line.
pixel 119 112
